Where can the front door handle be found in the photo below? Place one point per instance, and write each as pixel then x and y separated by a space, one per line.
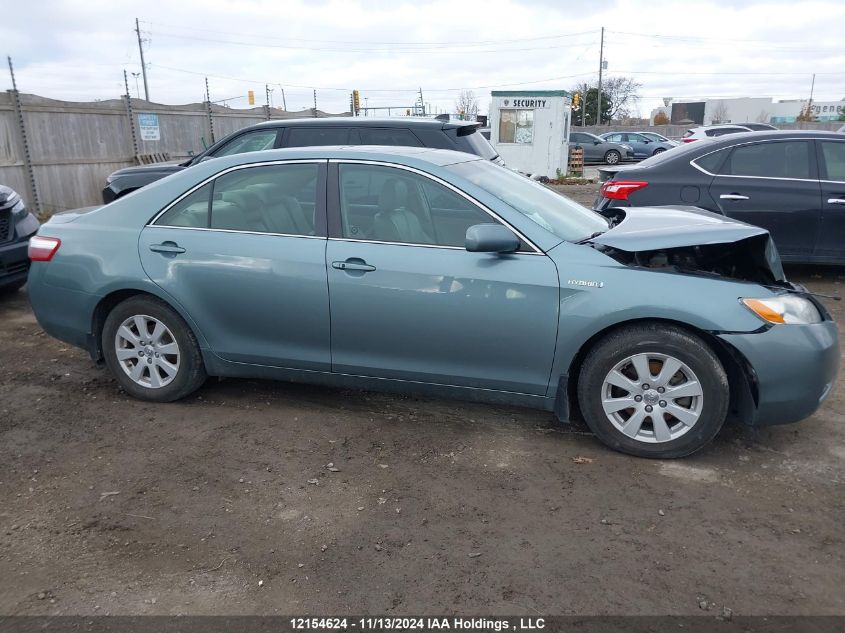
pixel 170 248
pixel 353 263
pixel 836 200
pixel 733 196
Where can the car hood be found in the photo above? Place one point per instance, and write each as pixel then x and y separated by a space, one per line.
pixel 649 228
pixel 693 240
pixel 163 168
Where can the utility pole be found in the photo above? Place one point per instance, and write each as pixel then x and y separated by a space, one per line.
pixel 284 103
pixel 143 63
pixel 601 67
pixel 315 102
pixel 422 103
pixel 812 88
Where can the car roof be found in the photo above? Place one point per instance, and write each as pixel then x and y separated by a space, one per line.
pixel 775 134
pixel 386 153
pixel 350 121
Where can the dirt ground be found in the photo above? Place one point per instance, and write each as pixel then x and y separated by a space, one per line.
pixel 225 503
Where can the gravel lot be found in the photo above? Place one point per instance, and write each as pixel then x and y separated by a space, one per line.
pixel 225 503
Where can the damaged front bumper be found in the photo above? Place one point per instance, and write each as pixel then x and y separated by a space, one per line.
pixel 794 369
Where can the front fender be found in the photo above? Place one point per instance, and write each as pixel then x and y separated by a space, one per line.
pixel 597 294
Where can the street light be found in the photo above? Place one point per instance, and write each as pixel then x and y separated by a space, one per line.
pixel 137 90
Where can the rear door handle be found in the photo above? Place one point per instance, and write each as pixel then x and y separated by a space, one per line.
pixel 733 196
pixel 836 200
pixel 354 264
pixel 171 248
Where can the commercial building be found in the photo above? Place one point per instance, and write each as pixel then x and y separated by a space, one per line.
pixel 747 109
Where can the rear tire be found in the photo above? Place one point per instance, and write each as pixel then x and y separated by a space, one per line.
pixel 151 351
pixel 612 157
pixel 12 288
pixel 628 402
pixel 659 150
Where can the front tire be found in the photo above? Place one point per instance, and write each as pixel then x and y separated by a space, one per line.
pixel 151 351
pixel 653 390
pixel 612 157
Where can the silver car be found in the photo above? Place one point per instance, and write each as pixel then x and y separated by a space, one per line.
pixel 598 150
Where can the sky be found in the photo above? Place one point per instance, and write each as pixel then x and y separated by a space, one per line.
pixel 389 50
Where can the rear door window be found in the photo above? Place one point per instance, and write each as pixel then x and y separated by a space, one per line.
pixel 312 136
pixel 388 136
pixel 833 153
pixel 778 159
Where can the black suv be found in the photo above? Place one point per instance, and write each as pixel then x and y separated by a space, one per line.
pixel 17 225
pixel 463 136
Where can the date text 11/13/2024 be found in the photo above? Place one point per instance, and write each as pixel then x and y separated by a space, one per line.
pixel 416 623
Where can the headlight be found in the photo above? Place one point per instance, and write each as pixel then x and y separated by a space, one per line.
pixel 786 309
pixel 19 209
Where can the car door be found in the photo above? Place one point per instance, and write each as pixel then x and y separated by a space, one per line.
pixel 409 302
pixel 640 144
pixel 831 241
pixel 773 184
pixel 244 255
pixel 587 143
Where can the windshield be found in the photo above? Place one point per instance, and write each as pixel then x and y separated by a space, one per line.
pixel 559 215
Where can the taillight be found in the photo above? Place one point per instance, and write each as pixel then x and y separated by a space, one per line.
pixel 688 140
pixel 42 249
pixel 621 189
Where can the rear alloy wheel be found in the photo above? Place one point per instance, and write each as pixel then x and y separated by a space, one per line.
pixel 612 157
pixel 151 351
pixel 653 391
pixel 659 150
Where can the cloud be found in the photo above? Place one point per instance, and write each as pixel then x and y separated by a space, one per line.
pixel 389 49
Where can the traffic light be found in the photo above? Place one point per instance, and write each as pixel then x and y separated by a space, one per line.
pixel 576 101
pixel 356 102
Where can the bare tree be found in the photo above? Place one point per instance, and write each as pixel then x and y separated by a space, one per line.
pixel 720 113
pixel 623 93
pixel 763 117
pixel 467 105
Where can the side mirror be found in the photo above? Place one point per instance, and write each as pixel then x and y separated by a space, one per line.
pixel 597 142
pixel 491 238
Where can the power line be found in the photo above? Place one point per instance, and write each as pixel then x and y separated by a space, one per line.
pixel 347 89
pixel 432 51
pixel 377 43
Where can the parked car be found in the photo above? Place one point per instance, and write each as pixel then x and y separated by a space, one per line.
pixel 446 274
pixel 711 131
pixel 654 136
pixel 17 225
pixel 791 183
pixel 598 150
pixel 464 136
pixel 758 127
pixel 642 145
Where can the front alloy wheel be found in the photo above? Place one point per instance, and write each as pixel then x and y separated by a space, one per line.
pixel 653 390
pixel 652 397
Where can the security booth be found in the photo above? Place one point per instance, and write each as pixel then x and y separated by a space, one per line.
pixel 530 130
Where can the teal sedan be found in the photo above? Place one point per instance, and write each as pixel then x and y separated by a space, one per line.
pixel 433 271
